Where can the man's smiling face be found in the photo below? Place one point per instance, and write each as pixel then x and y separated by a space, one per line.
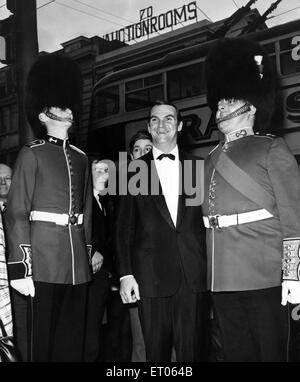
pixel 163 125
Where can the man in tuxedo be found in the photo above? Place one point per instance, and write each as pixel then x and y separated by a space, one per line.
pixel 161 244
pixel 99 287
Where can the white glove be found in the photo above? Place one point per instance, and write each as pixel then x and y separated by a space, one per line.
pixel 290 292
pixel 24 286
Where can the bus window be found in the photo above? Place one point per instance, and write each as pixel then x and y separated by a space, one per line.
pixel 6 119
pixel 269 48
pixel 273 63
pixel 106 102
pixel 153 80
pixel 134 85
pixel 2 90
pixel 142 92
pixel 185 82
pixel 287 64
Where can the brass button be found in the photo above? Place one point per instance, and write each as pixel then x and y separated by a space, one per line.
pixel 73 219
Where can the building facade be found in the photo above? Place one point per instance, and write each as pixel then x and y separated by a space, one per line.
pixel 108 119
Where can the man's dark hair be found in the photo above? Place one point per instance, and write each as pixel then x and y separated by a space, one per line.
pixel 141 134
pixel 94 157
pixel 159 102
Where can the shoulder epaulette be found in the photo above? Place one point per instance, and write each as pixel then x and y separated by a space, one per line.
pixel 37 142
pixel 77 149
pixel 270 136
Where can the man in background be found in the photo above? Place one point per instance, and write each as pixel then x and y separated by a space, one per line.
pixel 115 335
pixel 139 145
pixel 98 289
pixel 5 181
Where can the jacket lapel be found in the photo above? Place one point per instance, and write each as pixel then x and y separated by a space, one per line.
pixel 158 198
pixel 182 196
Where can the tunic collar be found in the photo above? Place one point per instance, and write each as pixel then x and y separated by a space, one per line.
pixel 237 134
pixel 56 141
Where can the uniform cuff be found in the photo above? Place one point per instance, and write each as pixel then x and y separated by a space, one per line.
pixel 291 259
pixel 21 269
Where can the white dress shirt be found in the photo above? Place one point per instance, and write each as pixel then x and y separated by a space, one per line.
pixel 168 173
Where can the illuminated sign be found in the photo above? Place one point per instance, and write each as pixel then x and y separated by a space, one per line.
pixel 149 24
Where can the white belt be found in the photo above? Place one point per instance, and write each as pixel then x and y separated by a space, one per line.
pixel 60 219
pixel 220 221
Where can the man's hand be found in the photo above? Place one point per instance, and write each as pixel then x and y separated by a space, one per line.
pixel 97 261
pixel 290 292
pixel 129 290
pixel 24 286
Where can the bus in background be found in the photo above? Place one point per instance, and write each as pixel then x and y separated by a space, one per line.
pixel 121 99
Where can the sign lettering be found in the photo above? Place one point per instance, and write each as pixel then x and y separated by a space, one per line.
pixel 149 24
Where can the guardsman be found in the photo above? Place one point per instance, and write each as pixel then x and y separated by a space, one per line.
pixel 251 208
pixel 48 216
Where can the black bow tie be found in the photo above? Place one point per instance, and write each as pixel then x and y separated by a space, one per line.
pixel 170 156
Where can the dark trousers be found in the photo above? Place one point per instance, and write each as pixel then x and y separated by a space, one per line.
pixel 294 353
pixel 98 291
pixel 138 344
pixel 176 321
pixel 58 322
pixel 19 305
pixel 117 331
pixel 254 325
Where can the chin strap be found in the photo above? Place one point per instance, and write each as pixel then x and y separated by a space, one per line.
pixel 241 110
pixel 57 118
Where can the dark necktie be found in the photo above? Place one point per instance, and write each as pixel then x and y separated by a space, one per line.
pixel 101 200
pixel 170 156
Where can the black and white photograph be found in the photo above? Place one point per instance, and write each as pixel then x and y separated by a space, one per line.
pixel 150 184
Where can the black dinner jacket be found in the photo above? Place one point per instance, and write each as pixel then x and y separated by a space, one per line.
pixel 101 233
pixel 149 246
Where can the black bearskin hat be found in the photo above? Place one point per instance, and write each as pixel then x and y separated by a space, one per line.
pixel 53 81
pixel 239 68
